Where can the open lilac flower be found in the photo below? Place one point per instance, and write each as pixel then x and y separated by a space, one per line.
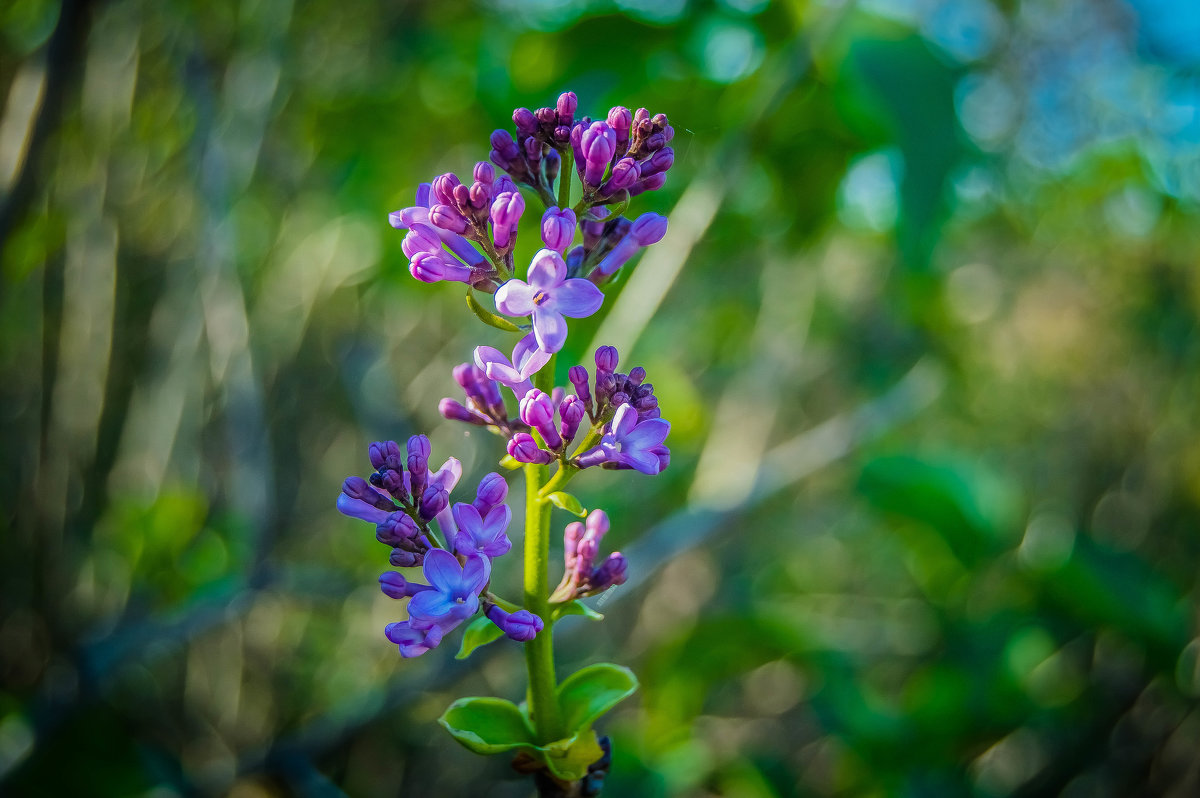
pixel 454 593
pixel 527 360
pixel 630 444
pixel 549 296
pixel 482 533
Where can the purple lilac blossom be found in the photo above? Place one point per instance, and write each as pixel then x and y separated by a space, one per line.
pixel 527 360
pixel 454 593
pixel 523 448
pixel 549 296
pixel 482 534
pixel 629 443
pixel 492 490
pixel 558 228
pixel 537 410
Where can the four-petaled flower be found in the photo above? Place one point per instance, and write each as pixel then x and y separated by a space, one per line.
pixel 484 534
pixel 454 593
pixel 630 444
pixel 548 296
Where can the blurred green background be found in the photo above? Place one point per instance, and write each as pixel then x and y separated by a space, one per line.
pixel 925 325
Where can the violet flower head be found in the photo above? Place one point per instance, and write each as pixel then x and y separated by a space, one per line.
pixel 521 625
pixel 454 593
pixel 482 534
pixel 548 297
pixel 629 443
pixel 527 360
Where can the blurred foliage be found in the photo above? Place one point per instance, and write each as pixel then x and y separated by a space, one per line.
pixel 932 361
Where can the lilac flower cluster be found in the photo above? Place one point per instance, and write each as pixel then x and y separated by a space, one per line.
pixel 401 503
pixel 616 158
pixel 581 545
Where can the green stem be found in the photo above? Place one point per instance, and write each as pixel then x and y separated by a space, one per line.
pixel 565 471
pixel 539 652
pixel 564 178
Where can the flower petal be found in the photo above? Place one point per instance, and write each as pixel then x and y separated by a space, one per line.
pixel 647 435
pixel 357 508
pixel 432 605
pixel 468 520
pixel 497 521
pixel 624 421
pixel 515 298
pixel 442 571
pixel 475 573
pixel 448 475
pixel 528 359
pixel 642 460
pixel 577 298
pixel 498 547
pixel 546 271
pixel 550 329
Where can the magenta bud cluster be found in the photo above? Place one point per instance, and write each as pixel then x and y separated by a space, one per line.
pixel 582 575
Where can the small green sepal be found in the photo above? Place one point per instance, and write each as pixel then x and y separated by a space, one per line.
pixel 487 317
pixel 480 632
pixel 566 501
pixel 510 462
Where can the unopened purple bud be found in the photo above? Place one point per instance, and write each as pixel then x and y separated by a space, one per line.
pixel 493 490
pixel 620 398
pixel 571 411
pixel 546 117
pixel 443 188
pixel 611 572
pixel 644 403
pixel 447 217
pixel 562 134
pixel 381 451
pixel 649 228
pixel 484 173
pixel 393 584
pixel 432 267
pixel 392 480
pixel 606 359
pixel 606 383
pixel 433 501
pixel 525 122
pixel 619 119
pixel 651 183
pixel 524 449
pixel 402 558
pixel 396 529
pixel 637 374
pixel 625 173
pixel 571 536
pixel 420 238
pixel 537 410
pixel 521 625
pixel 558 228
pixel 578 375
pixel 452 410
pixel 506 212
pixel 505 152
pixel 597 524
pixel 551 163
pixel 479 196
pixel 557 394
pixel 533 150
pixel 357 488
pixel 565 110
pixel 598 143
pixel 658 163
pixel 503 185
pixel 585 557
pixel 418 446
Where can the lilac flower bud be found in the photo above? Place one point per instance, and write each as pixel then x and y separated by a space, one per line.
pixel 620 398
pixel 571 536
pixel 659 162
pixel 598 144
pixel 533 150
pixel 525 122
pixel 396 529
pixel 649 228
pixel 578 375
pixel 384 453
pixel 637 374
pixel 432 267
pixel 443 188
pixel 597 524
pixel 447 217
pixel 625 173
pixel 557 394
pixel 537 410
pixel 558 228
pixel 393 584
pixel 652 183
pixel 571 411
pixel 433 501
pixel 401 558
pixel 418 462
pixel 585 556
pixel 562 134
pixel 480 196
pixel 565 110
pixel 645 403
pixel 392 480
pixel 484 173
pixel 524 449
pixel 619 119
pixel 606 359
pixel 454 411
pixel 506 212
pixel 606 383
pixel 505 152
pixel 504 185
pixel 551 163
pixel 493 490
pixel 420 238
pixel 356 488
pixel 611 572
pixel 521 625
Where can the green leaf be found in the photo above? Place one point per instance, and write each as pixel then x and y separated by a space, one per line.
pixel 488 725
pixel 487 317
pixel 587 694
pixel 510 462
pixel 576 608
pixel 568 759
pixel 566 501
pixel 480 632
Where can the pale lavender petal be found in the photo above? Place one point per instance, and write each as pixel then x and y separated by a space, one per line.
pixel 357 508
pixel 448 475
pixel 577 298
pixel 643 461
pixel 468 520
pixel 528 358
pixel 442 570
pixel 496 522
pixel 515 298
pixel 431 604
pixel 496 548
pixel 624 421
pixel 547 271
pixel 550 328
